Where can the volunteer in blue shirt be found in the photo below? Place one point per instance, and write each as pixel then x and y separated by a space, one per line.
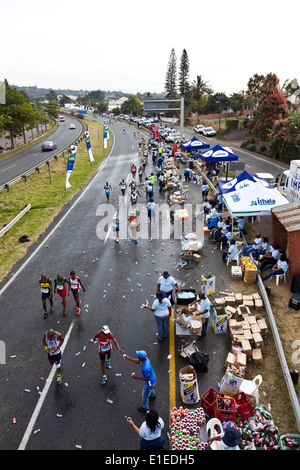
pixel 148 377
pixel 204 310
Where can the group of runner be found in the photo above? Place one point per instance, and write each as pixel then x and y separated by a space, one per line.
pixel 62 286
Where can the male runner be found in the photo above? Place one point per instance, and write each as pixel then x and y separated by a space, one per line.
pixel 104 337
pixel 75 284
pixel 123 187
pixel 53 341
pixel 60 287
pixel 46 291
pixel 107 189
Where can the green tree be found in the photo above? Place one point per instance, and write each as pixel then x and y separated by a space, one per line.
pixel 285 139
pixel 171 76
pixel 51 95
pixel 184 69
pixel 253 90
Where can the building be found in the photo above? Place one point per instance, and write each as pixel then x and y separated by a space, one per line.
pixel 116 102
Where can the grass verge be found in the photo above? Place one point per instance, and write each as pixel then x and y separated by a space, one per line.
pixel 46 198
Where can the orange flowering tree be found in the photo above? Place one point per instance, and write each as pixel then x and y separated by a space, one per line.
pixel 285 139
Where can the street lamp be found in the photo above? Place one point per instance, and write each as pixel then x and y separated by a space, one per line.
pixel 219 102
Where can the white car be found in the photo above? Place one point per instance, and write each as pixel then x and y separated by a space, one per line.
pixel 268 177
pixel 208 131
pixel 173 137
pixel 199 128
pixel 72 126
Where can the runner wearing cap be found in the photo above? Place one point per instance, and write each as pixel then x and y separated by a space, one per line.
pixel 149 377
pixel 104 337
pixel 165 284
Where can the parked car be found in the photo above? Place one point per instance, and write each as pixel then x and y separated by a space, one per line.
pixel 268 177
pixel 199 128
pixel 48 146
pixel 72 126
pixel 208 131
pixel 174 137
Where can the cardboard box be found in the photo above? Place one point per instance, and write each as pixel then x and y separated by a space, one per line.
pixel 220 302
pixel 238 299
pixel 258 305
pixel 230 384
pixel 241 359
pixel 257 356
pixel 249 303
pixel 231 311
pixel 248 335
pixel 196 324
pixel 251 319
pixel 220 318
pixel 263 327
pixel 258 341
pixel 243 310
pixel 255 328
pixel 189 391
pixel 188 349
pixel 230 300
pixel 230 359
pixel 208 283
pixel 247 347
pixel 196 258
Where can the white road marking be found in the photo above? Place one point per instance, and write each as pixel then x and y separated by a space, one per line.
pixel 43 396
pixel 2 171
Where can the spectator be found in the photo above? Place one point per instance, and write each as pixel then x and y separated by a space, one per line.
pixel 263 249
pixel 204 310
pixel 271 257
pixel 230 439
pixel 255 246
pixel 165 284
pixel 150 431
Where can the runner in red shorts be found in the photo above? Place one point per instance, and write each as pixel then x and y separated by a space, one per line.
pixel 60 287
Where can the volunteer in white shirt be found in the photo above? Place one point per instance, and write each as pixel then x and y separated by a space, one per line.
pixel 279 268
pixel 255 246
pixel 160 307
pixel 231 252
pixel 165 284
pixel 204 310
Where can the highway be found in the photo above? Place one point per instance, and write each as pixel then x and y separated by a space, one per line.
pixel 12 167
pixel 119 278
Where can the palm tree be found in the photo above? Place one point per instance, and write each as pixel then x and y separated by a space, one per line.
pixel 199 87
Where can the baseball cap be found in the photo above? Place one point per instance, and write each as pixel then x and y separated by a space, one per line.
pixel 166 274
pixel 105 329
pixel 141 354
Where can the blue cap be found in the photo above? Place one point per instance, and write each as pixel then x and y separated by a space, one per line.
pixel 141 354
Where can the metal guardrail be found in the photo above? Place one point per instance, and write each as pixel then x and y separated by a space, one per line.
pixel 12 222
pixel 43 163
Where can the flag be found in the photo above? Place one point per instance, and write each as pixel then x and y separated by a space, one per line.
pixel 105 136
pixel 71 160
pixel 88 145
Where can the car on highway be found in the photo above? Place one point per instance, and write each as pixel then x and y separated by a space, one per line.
pixel 49 145
pixel 61 118
pixel 199 128
pixel 208 131
pixel 267 177
pixel 72 126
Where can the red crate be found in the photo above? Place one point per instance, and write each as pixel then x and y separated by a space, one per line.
pixel 244 406
pixel 208 401
pixel 225 409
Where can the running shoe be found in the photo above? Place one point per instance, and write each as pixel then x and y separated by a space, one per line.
pixel 58 379
pixel 45 315
pixel 78 311
pixel 104 380
pixel 108 364
pixel 51 310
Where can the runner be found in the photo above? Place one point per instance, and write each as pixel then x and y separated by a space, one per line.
pixel 133 223
pixel 133 171
pixel 116 227
pixel 46 291
pixel 140 173
pixel 134 196
pixel 107 189
pixel 123 187
pixel 60 288
pixel 75 284
pixel 104 337
pixel 53 341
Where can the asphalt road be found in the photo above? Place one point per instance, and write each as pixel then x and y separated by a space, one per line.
pixel 118 278
pixel 21 162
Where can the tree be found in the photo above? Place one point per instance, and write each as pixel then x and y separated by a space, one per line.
pixel 184 68
pixel 170 83
pixel 285 139
pixel 253 91
pixel 199 87
pixel 51 95
pixel 272 105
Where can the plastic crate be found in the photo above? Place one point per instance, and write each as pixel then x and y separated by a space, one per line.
pixel 244 406
pixel 225 409
pixel 208 401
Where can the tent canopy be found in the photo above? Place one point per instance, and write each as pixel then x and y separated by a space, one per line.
pixel 247 195
pixel 218 154
pixel 195 144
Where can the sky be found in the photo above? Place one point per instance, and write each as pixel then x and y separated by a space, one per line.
pixel 125 45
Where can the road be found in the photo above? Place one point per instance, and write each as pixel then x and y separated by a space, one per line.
pixel 21 162
pixel 118 278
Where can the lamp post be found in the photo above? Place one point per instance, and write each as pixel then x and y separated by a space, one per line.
pixel 219 102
